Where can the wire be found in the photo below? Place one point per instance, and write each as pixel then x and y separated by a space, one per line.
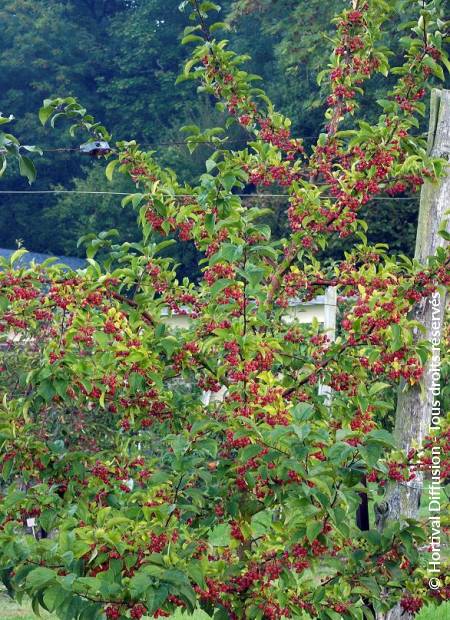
pixel 88 192
pixel 170 143
pixel 185 142
pixel 61 191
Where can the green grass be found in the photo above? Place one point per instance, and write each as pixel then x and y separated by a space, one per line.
pixel 431 612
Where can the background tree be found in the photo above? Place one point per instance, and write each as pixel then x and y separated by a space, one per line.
pixel 120 56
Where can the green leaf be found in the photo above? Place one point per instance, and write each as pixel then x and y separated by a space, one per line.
pixel 261 522
pixel 27 168
pixel 219 26
pixel 230 252
pixel 92 611
pixel 220 536
pixel 210 223
pixel 102 339
pixel 157 597
pixel 374 537
pixel 210 164
pixel 253 274
pixel 228 181
pixel 302 412
pixel 312 530
pixel 169 344
pixel 54 597
pixel 381 436
pixel 6 119
pixel 191 38
pixel 396 334
pixel 109 170
pixel 378 387
pixel 136 382
pixel 197 573
pixel 44 114
pixel 15 256
pixel 302 432
pixel 218 286
pixel 40 577
pixel 139 584
pixel 7 469
pixel 35 606
pixel 435 67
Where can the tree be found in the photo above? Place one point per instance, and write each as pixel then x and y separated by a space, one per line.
pixel 103 51
pixel 244 505
pixel 45 51
pixel 85 48
pixel 302 36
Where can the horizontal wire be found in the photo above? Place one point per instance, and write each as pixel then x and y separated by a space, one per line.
pixel 171 143
pixel 60 191
pixel 256 196
pixel 175 143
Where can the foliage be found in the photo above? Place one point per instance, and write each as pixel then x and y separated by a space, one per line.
pixel 301 36
pixel 151 496
pixel 106 53
pixel 47 48
pixel 86 213
pixel 102 51
pixel 11 147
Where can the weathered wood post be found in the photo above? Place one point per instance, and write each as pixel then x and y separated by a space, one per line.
pixel 414 403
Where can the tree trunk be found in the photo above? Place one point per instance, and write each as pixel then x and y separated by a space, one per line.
pixel 414 404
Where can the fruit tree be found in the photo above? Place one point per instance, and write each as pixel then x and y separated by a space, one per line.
pixel 142 496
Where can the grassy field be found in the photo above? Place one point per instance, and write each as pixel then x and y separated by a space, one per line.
pixel 442 612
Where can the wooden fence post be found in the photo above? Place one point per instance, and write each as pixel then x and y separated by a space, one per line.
pixel 414 403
